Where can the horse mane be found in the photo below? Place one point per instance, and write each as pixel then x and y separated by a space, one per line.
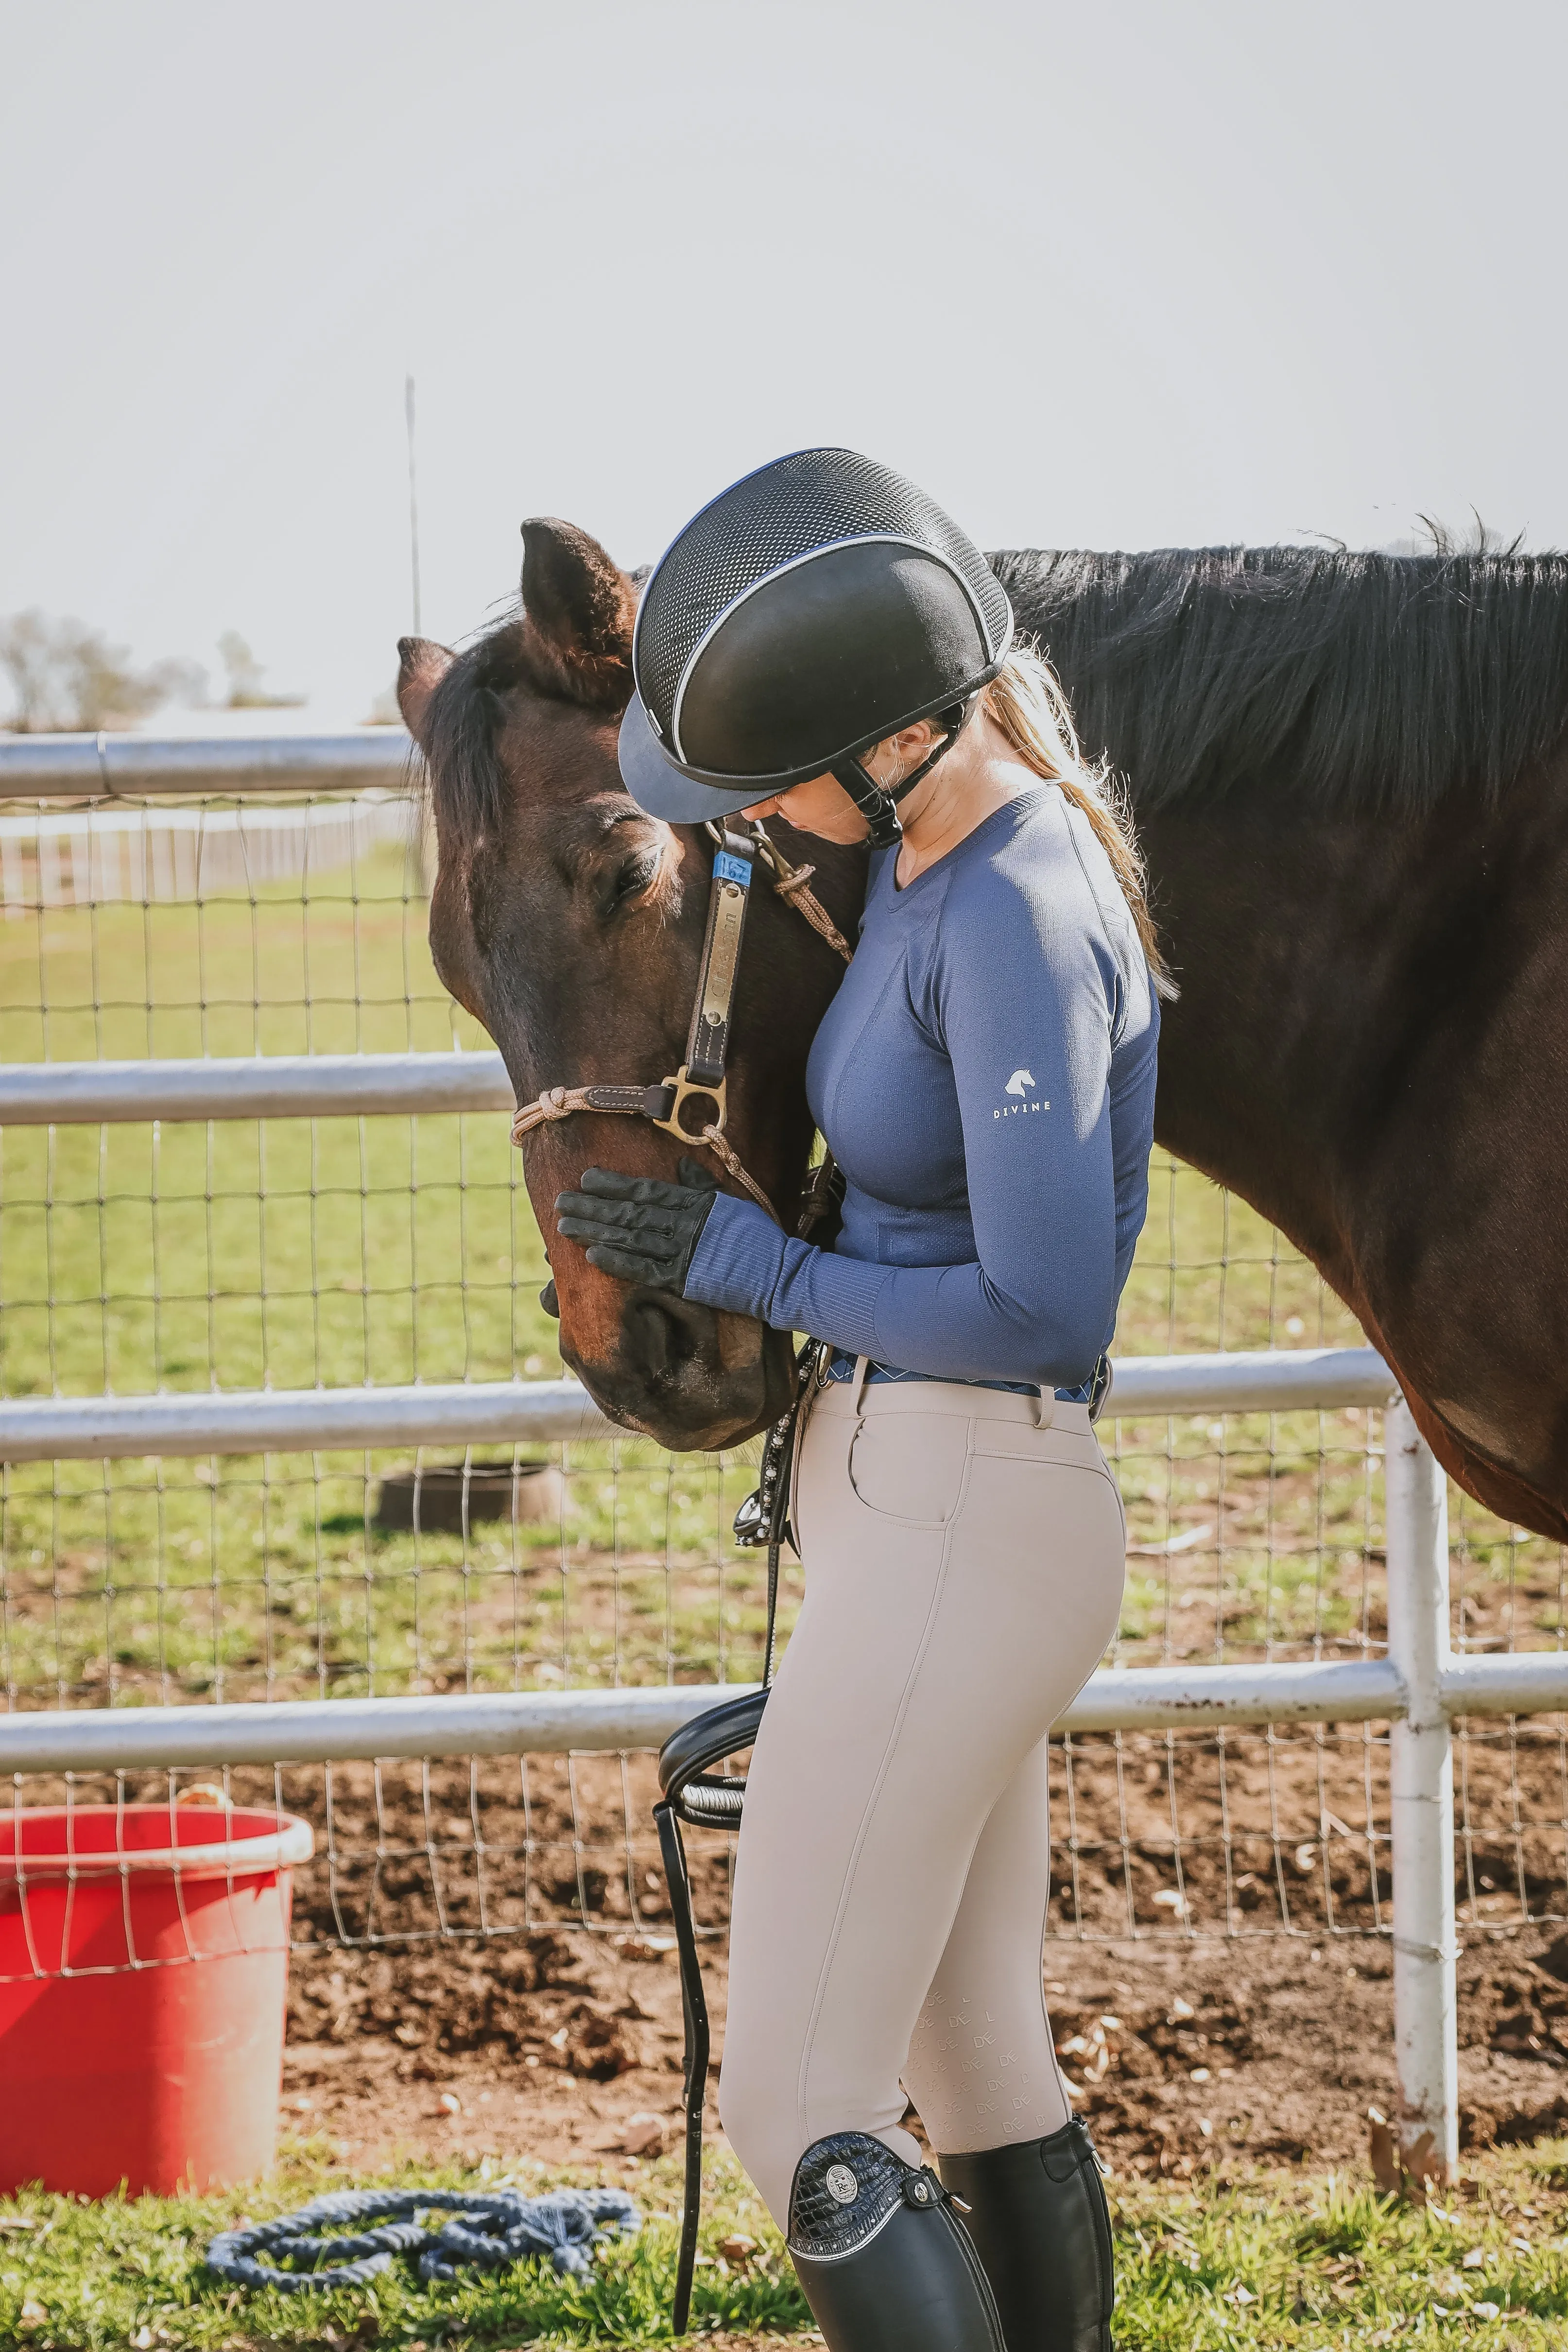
pixel 463 766
pixel 1352 678
pixel 1379 680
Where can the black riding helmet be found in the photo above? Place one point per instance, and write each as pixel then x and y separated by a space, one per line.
pixel 811 610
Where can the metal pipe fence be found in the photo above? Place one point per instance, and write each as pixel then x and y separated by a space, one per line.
pixel 264 1252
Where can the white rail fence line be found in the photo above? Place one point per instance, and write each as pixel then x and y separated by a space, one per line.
pixel 520 1412
pixel 79 767
pixel 261 1086
pixel 147 855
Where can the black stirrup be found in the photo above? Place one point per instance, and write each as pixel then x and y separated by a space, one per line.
pixel 694 1792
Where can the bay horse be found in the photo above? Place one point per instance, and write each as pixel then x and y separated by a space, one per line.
pixel 1350 773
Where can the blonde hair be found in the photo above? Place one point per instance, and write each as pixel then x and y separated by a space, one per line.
pixel 1026 700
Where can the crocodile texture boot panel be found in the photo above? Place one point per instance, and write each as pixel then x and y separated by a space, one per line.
pixel 885 2263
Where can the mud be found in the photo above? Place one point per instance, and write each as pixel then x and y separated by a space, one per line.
pixel 484 1963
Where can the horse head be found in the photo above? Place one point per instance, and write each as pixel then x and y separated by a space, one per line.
pixel 571 925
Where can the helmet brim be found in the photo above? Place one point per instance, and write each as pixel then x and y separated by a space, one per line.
pixel 658 786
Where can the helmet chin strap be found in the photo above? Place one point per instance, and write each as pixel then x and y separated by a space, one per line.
pixel 878 803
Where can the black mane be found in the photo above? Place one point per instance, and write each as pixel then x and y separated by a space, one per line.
pixel 1383 679
pixel 462 762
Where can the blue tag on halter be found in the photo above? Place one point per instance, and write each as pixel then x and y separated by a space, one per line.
pixel 727 868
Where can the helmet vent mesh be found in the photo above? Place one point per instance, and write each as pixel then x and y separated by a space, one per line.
pixel 773 517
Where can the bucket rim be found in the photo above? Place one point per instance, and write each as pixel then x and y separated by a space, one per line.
pixel 292 1841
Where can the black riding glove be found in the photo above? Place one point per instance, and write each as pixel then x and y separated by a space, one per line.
pixel 637 1226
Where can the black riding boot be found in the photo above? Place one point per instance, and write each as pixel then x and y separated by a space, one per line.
pixel 1038 2219
pixel 886 2264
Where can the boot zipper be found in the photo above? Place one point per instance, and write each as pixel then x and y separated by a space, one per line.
pixel 942 2200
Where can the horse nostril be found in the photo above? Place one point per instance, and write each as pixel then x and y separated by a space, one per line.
pixel 659 1335
pixel 548 1300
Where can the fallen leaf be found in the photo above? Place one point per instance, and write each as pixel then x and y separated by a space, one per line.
pixel 450 2101
pixel 1382 2152
pixel 739 2249
pixel 1475 2258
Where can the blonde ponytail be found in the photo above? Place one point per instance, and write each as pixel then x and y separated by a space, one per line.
pixel 1029 706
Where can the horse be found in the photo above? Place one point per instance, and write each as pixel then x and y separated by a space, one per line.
pixel 1350 775
pixel 571 927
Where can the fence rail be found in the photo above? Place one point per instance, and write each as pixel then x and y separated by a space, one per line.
pixel 47 767
pixel 261 1086
pixel 523 1412
pixel 523 1723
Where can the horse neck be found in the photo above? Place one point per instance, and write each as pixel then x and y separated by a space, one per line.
pixel 1332 967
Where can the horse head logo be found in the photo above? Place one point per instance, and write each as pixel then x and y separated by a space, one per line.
pixel 1018 1082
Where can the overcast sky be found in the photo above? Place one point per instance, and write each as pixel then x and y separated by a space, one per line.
pixel 1129 274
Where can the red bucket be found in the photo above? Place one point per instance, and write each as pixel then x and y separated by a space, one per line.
pixel 143 1971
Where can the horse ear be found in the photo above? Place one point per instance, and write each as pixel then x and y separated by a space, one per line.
pixel 420 666
pixel 580 608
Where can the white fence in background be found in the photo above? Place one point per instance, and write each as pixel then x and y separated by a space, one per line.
pixel 146 855
pixel 1419 1687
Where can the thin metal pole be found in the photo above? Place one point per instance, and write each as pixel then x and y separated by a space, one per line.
pixel 1421 1775
pixel 413 495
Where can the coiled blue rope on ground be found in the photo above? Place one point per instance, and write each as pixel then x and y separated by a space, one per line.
pixel 489 2228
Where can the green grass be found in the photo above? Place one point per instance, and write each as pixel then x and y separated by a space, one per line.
pixel 1260 2259
pixel 340 1251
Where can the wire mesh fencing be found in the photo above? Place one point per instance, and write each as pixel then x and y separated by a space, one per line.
pixel 344 1251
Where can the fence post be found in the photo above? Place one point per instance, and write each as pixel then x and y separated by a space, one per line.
pixel 1421 1777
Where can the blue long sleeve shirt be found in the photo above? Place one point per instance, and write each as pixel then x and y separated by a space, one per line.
pixel 985 1077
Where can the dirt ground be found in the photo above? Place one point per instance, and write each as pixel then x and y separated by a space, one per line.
pixel 1185 2047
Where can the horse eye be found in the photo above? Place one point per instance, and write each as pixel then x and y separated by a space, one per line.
pixel 636 878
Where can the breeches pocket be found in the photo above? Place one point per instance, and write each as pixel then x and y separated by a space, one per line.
pixel 911 1465
pixel 1055 1469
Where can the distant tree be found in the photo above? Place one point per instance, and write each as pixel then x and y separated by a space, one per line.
pixel 245 674
pixel 68 678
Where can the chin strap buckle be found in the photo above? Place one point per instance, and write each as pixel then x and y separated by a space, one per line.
pixel 878 803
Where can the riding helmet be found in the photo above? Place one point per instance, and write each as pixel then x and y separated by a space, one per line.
pixel 809 611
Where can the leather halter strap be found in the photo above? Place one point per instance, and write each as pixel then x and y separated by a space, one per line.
pixel 702 1073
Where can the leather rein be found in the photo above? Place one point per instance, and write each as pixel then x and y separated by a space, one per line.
pixel 701 1074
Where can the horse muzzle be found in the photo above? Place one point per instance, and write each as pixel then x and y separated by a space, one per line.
pixel 690 1378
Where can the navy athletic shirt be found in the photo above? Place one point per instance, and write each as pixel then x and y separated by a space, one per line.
pixel 985 1077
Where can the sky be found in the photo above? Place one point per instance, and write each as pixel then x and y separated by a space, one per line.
pixel 1127 275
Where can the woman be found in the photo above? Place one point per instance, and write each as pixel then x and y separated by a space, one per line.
pixel 824 642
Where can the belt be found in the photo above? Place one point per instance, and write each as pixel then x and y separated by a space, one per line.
pixel 842 1367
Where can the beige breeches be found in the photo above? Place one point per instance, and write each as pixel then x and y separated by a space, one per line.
pixel 963 1573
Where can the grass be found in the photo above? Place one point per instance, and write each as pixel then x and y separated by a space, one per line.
pixel 1263 2259
pixel 340 1251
